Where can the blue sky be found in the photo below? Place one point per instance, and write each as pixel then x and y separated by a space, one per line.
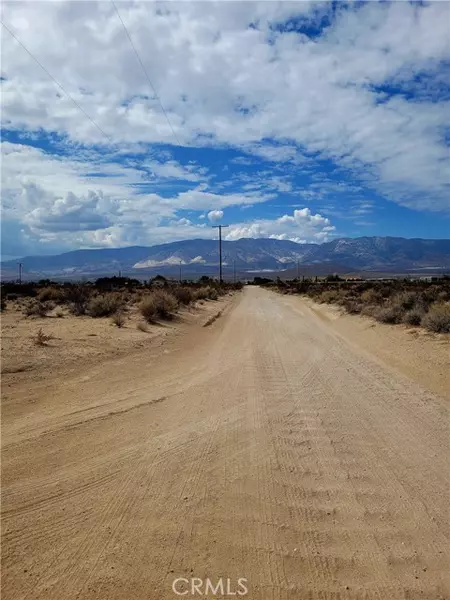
pixel 303 121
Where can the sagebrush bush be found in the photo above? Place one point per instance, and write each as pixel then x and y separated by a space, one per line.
pixel 371 296
pixel 437 318
pixel 388 314
pixel 34 308
pixel 328 296
pixel 213 294
pixel 105 305
pixel 166 303
pixel 413 316
pixel 148 308
pixel 78 297
pixel 201 293
pixel 51 293
pixel 183 294
pixel 158 304
pixel 404 300
pixel 352 306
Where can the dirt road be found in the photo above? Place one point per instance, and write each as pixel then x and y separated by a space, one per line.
pixel 265 447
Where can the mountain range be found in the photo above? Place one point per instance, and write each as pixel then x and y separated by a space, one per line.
pixel 247 255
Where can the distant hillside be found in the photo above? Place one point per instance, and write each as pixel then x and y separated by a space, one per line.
pixel 248 255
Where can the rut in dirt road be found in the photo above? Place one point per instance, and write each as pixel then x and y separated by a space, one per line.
pixel 268 449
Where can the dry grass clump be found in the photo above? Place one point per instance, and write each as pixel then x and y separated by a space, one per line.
pixel 41 338
pixel 437 318
pixel 118 319
pixel 142 326
pixel 34 308
pixel 105 305
pixel 158 304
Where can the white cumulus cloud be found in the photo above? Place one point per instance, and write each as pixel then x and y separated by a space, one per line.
pixel 215 216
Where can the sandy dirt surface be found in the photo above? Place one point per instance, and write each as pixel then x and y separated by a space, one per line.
pixel 268 446
pixel 79 341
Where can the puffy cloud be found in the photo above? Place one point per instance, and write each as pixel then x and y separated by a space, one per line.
pixel 223 82
pixel 215 216
pixel 302 226
pixel 58 201
pixel 367 92
pixel 72 213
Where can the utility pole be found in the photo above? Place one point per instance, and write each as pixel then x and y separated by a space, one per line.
pixel 298 270
pixel 219 227
pixel 180 269
pixel 234 271
pixel 20 272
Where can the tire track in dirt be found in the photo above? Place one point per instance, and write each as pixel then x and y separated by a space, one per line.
pixel 279 454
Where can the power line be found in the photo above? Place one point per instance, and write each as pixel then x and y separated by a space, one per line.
pixel 146 74
pixel 57 82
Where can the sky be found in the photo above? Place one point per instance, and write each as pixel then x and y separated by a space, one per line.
pixel 140 123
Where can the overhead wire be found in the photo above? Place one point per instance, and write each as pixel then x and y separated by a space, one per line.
pixel 146 73
pixel 61 87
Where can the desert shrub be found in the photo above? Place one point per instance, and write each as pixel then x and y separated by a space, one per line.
pixel 158 304
pixel 213 294
pixel 34 308
pixel 50 293
pixel 78 297
pixel 368 310
pixel 2 303
pixel 352 306
pixel 388 314
pixel 371 296
pixel 405 300
pixel 437 318
pixel 201 293
pixel 414 316
pixel 166 303
pixel 183 294
pixel 104 305
pixel 41 339
pixel 118 319
pixel 148 308
pixel 328 297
